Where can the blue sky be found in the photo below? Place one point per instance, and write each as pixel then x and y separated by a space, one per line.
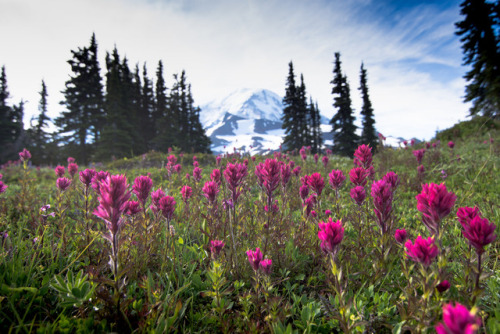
pixel 409 49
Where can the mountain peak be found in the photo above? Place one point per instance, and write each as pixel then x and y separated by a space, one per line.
pixel 245 103
pixel 247 118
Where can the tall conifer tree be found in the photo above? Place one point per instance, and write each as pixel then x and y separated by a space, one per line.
pixel 120 134
pixel 368 135
pixel 289 118
pixel 315 127
pixel 8 127
pixel 479 31
pixel 343 128
pixel 303 115
pixel 37 135
pixel 83 101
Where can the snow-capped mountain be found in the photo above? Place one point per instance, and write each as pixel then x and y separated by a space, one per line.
pixel 250 120
pixel 246 119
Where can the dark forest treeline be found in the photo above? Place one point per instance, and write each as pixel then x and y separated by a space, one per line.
pixel 126 113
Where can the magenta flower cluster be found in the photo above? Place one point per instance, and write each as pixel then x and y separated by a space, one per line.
pixel 458 320
pixel 255 258
pixel 234 175
pixel 423 251
pixel 113 196
pixel 331 234
pixel 435 203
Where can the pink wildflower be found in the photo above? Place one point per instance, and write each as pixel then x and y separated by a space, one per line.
pixel 336 179
pixel 197 174
pixel 155 200
pixel 303 154
pixel 167 207
pixel 72 169
pixel 316 183
pixel 3 187
pixel 254 258
pixel 142 187
pixel 424 251
pixel 479 232
pixel 178 169
pixel 63 183
pixel 265 266
pixel 113 197
pixel 458 320
pixel 419 154
pixel 186 193
pixel 382 200
pixel 271 177
pixel 363 156
pixel 465 215
pixel 443 286
pixel 393 179
pixel 216 176
pixel 358 194
pixel 210 191
pixel 216 247
pixel 59 170
pixel 358 176
pixel 435 203
pixel 24 155
pixel 324 160
pixel 309 204
pixel 331 235
pixel 98 178
pixel 133 208
pixel 172 159
pixel 286 173
pixel 70 160
pixel 304 192
pixel 316 158
pixel 234 175
pixel 401 236
pixel 86 176
pixel 451 144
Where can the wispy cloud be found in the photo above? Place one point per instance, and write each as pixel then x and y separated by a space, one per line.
pixel 225 45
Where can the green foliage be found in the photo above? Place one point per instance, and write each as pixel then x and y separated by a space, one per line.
pixel 477 128
pixel 74 291
pixel 343 129
pixel 55 273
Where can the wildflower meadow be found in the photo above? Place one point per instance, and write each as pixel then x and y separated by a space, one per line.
pixel 387 241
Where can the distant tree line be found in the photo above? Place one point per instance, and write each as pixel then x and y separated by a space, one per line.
pixel 302 120
pixel 127 115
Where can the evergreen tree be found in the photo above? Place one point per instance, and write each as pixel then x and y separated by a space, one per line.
pixel 84 103
pixel 7 128
pixel 289 118
pixel 11 123
pixel 143 121
pixel 149 111
pixel 37 135
pixel 479 33
pixel 303 115
pixel 315 127
pixel 368 134
pixel 119 134
pixel 95 95
pixel 162 118
pixel 199 141
pixel 343 128
pixel 182 124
